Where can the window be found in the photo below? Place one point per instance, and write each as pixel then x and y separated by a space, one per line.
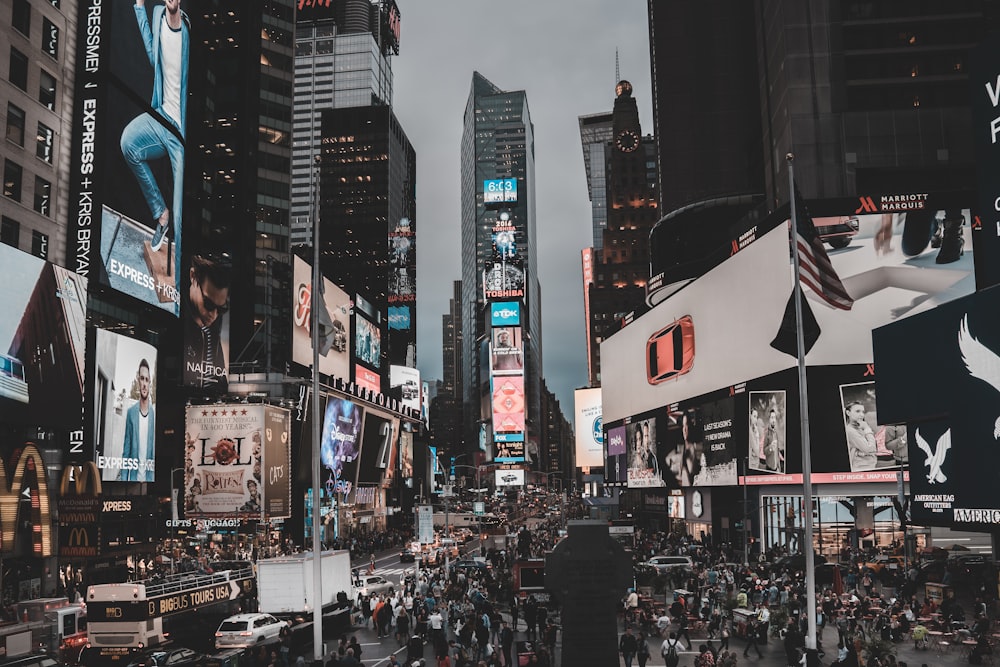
pixel 20 17
pixel 12 180
pixel 47 90
pixel 15 124
pixel 39 244
pixel 43 195
pixel 43 143
pixel 50 38
pixel 10 230
pixel 18 74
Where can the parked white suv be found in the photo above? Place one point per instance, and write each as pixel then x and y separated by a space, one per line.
pixel 663 564
pixel 245 630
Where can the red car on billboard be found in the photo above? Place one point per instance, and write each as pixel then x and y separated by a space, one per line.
pixel 670 351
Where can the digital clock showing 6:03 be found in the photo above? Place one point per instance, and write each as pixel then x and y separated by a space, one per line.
pixel 500 190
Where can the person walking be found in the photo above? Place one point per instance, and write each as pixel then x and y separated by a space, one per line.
pixel 682 628
pixel 628 646
pixel 753 629
pixel 642 649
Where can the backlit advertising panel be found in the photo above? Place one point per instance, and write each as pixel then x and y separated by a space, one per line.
pixel 340 445
pixel 367 342
pixel 643 452
pixel 367 379
pixel 505 313
pixel 277 463
pixel 204 310
pixel 768 440
pixel 506 351
pixel 503 279
pixel 589 428
pixel 700 443
pixel 508 404
pixel 399 318
pixel 403 261
pixel 508 477
pixel 334 358
pixel 408 379
pixel 124 408
pixel 509 448
pixel 406 454
pixel 378 437
pixel 984 94
pixel 129 147
pixel 225 460
pixel 949 401
pixel 870 446
pixel 45 308
pixel 616 457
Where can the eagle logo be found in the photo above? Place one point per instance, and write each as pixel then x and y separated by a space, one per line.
pixel 934 460
pixel 981 362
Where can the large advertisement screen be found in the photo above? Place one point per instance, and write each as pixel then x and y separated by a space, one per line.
pixel 133 64
pixel 334 358
pixel 508 404
pixel 506 351
pixel 408 380
pixel 589 428
pixel 950 400
pixel 378 437
pixel 701 443
pixel 228 450
pixel 340 445
pixel 205 312
pixel 44 307
pixel 403 261
pixel 124 408
pixel 616 457
pixel 642 441
pixel 367 342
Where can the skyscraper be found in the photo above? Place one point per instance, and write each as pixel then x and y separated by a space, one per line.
pixel 499 254
pixel 342 59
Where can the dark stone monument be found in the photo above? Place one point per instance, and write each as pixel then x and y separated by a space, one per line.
pixel 590 573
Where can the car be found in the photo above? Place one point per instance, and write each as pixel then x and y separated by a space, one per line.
pixel 407 555
pixel 243 630
pixel 468 564
pixel 174 657
pixel 664 564
pixel 670 351
pixel 450 547
pixel 373 584
pixel 884 565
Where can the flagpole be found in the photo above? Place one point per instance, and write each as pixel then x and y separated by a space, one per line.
pixel 317 505
pixel 807 495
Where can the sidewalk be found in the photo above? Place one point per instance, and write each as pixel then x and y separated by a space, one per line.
pixel 774 653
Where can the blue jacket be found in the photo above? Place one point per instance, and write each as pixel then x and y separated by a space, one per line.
pixel 130 448
pixel 151 40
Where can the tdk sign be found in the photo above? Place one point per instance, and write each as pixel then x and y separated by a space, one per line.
pixel 505 313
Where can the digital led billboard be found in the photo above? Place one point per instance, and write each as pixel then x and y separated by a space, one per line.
pixel 368 342
pixel 204 311
pixel 505 313
pixel 508 404
pixel 589 428
pixel 340 444
pixel 129 147
pixel 124 408
pixel 45 308
pixel 334 358
pixel 500 190
pixel 506 351
pixel 408 380
pixel 616 457
pixel 644 454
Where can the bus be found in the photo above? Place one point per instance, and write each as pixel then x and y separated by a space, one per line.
pixel 127 617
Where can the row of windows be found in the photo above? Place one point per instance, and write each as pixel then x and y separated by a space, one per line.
pixel 10 233
pixel 44 137
pixel 21 21
pixel 18 75
pixel 13 175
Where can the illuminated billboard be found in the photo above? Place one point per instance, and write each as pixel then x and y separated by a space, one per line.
pixel 45 308
pixel 506 351
pixel 503 279
pixel 379 434
pixel 408 379
pixel 616 457
pixel 589 428
pixel 767 439
pixel 642 444
pixel 509 448
pixel 500 191
pixel 237 460
pixel 399 318
pixel 508 477
pixel 340 444
pixel 402 262
pixel 128 160
pixel 367 342
pixel 367 379
pixel 508 404
pixel 334 358
pixel 205 313
pixel 505 313
pixel 124 408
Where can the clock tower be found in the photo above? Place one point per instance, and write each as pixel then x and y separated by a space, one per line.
pixel 621 263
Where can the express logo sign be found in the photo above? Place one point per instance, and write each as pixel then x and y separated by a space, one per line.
pixel 505 313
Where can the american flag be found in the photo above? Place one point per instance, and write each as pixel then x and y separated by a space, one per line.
pixel 815 269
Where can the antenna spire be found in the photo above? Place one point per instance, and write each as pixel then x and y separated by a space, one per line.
pixel 618 76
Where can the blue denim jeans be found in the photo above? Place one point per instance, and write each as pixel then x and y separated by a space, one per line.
pixel 145 139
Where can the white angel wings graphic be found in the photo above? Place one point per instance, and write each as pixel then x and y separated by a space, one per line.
pixel 935 459
pixel 981 362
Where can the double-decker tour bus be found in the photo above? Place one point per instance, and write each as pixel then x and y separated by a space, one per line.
pixel 128 617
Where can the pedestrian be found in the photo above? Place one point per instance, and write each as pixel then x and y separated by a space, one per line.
pixel 414 649
pixel 506 642
pixel 753 628
pixel 682 628
pixel 514 610
pixel 642 649
pixel 628 646
pixel 724 632
pixel 668 650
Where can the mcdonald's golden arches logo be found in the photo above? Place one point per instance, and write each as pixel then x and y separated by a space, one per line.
pixel 30 460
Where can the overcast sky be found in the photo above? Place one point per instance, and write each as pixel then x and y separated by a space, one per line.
pixel 562 54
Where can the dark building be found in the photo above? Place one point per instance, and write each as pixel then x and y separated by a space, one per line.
pixel 625 181
pixel 446 408
pixel 367 214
